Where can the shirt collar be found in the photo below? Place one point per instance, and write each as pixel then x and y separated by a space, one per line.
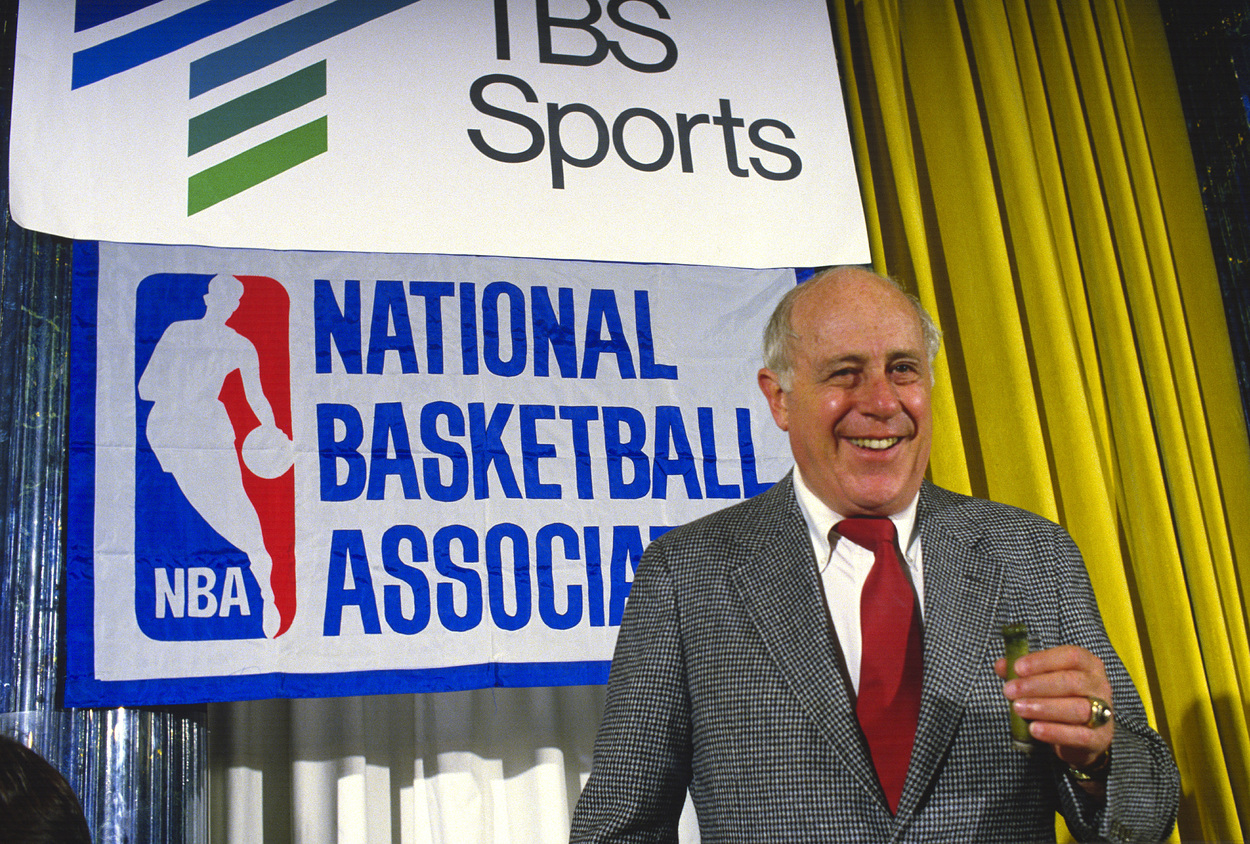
pixel 820 519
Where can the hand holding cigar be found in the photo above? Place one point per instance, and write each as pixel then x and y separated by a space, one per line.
pixel 1064 695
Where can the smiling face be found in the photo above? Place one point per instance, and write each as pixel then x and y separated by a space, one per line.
pixel 857 411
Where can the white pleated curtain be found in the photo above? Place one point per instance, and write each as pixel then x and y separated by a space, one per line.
pixel 495 765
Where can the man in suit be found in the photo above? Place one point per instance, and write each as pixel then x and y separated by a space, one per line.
pixel 804 686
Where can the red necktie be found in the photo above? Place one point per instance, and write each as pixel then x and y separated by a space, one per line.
pixel 890 669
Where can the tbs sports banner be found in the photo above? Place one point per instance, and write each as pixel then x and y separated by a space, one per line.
pixel 302 474
pixel 679 131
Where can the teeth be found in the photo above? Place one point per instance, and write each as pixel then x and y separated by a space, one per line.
pixel 875 444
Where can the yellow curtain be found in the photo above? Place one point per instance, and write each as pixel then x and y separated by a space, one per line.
pixel 1026 170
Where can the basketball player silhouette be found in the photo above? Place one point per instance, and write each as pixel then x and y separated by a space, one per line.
pixel 190 431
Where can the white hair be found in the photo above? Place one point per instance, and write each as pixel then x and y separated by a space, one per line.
pixel 780 337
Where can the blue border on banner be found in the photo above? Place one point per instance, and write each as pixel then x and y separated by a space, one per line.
pixel 83 689
pixel 101 693
pixel 80 524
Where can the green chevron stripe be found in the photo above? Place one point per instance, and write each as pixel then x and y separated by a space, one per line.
pixel 250 168
pixel 256 107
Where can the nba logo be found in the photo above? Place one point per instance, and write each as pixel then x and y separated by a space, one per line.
pixel 214 473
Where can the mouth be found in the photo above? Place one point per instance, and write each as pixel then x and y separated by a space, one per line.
pixel 874 444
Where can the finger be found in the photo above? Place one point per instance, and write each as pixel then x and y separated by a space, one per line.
pixel 1057 684
pixel 1058 710
pixel 1075 745
pixel 1000 668
pixel 1062 658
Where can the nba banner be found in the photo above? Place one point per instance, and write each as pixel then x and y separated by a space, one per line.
pixel 303 474
pixel 704 132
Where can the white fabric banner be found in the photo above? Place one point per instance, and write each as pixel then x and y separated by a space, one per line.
pixel 309 474
pixel 677 131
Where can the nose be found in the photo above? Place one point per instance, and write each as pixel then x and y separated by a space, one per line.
pixel 877 396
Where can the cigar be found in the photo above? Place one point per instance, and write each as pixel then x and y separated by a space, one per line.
pixel 1016 644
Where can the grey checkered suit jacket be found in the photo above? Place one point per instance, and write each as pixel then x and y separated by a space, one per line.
pixel 727 681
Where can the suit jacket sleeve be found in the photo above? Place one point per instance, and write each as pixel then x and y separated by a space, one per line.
pixel 1143 786
pixel 642 764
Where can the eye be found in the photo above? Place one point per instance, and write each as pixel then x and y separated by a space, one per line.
pixel 905 370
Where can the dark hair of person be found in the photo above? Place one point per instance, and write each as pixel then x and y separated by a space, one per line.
pixel 37 805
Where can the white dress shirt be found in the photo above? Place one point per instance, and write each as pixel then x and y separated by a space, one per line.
pixel 845 567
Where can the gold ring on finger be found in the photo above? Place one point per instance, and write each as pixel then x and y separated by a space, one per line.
pixel 1099 712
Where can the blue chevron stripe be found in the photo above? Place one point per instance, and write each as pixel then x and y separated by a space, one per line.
pixel 89 13
pixel 163 37
pixel 285 40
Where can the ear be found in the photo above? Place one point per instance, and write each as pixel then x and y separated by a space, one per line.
pixel 770 386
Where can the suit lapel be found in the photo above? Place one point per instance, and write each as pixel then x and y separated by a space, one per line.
pixel 780 587
pixel 962 585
